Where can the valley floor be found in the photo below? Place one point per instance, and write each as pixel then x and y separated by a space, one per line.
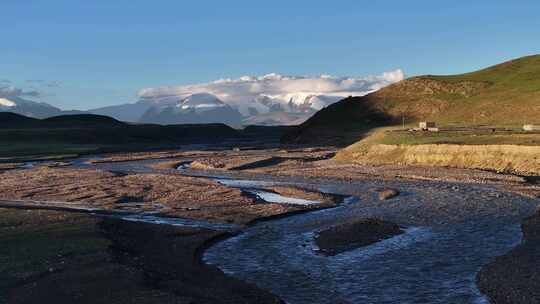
pixel 115 261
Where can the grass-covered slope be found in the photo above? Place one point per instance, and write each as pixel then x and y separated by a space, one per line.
pixel 501 151
pixel 505 94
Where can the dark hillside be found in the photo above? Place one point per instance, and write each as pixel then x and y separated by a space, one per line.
pixel 13 120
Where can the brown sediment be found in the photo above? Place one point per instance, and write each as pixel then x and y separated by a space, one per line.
pixel 310 162
pixel 207 164
pixel 514 278
pixel 306 163
pixel 335 169
pixel 223 161
pixel 385 194
pixel 135 156
pixel 297 192
pixel 168 165
pixel 318 163
pixel 242 160
pixel 9 166
pixel 348 236
pixel 168 194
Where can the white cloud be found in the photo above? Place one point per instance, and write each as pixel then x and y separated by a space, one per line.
pixel 244 91
pixel 6 103
pixel 12 91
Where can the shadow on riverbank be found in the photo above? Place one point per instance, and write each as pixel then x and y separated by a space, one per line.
pixel 514 278
pixel 58 257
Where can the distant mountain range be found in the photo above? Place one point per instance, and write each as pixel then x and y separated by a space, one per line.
pixel 28 108
pixel 197 108
pixel 267 100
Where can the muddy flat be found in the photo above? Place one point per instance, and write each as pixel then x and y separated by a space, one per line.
pixel 166 194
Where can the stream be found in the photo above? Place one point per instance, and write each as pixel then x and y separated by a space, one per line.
pixel 451 231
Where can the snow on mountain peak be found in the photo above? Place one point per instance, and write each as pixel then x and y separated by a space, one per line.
pixel 272 76
pixel 271 92
pixel 201 101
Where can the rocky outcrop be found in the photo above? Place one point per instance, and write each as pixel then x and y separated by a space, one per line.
pixel 355 234
pixel 385 194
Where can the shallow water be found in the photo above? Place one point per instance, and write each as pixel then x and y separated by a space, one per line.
pixel 146 218
pixel 452 230
pixel 251 187
pixel 433 263
pixel 280 199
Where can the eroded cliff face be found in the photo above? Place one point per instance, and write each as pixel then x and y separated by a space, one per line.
pixel 500 158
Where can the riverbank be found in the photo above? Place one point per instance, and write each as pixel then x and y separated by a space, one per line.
pixel 318 164
pixel 519 159
pixel 164 260
pixel 59 257
pixel 451 231
pixel 514 278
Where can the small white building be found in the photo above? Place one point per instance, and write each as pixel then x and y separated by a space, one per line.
pixel 426 125
pixel 530 127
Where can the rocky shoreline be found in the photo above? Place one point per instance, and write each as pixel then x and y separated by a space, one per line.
pixel 514 278
pixel 77 258
pixel 171 258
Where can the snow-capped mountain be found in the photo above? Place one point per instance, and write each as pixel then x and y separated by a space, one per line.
pixel 201 103
pixel 299 102
pixel 259 99
pixel 196 108
pixel 276 119
pixel 271 99
pixel 28 108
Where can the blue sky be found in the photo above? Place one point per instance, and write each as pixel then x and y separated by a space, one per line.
pixel 101 52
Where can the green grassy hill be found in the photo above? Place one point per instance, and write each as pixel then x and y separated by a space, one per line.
pixel 507 94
